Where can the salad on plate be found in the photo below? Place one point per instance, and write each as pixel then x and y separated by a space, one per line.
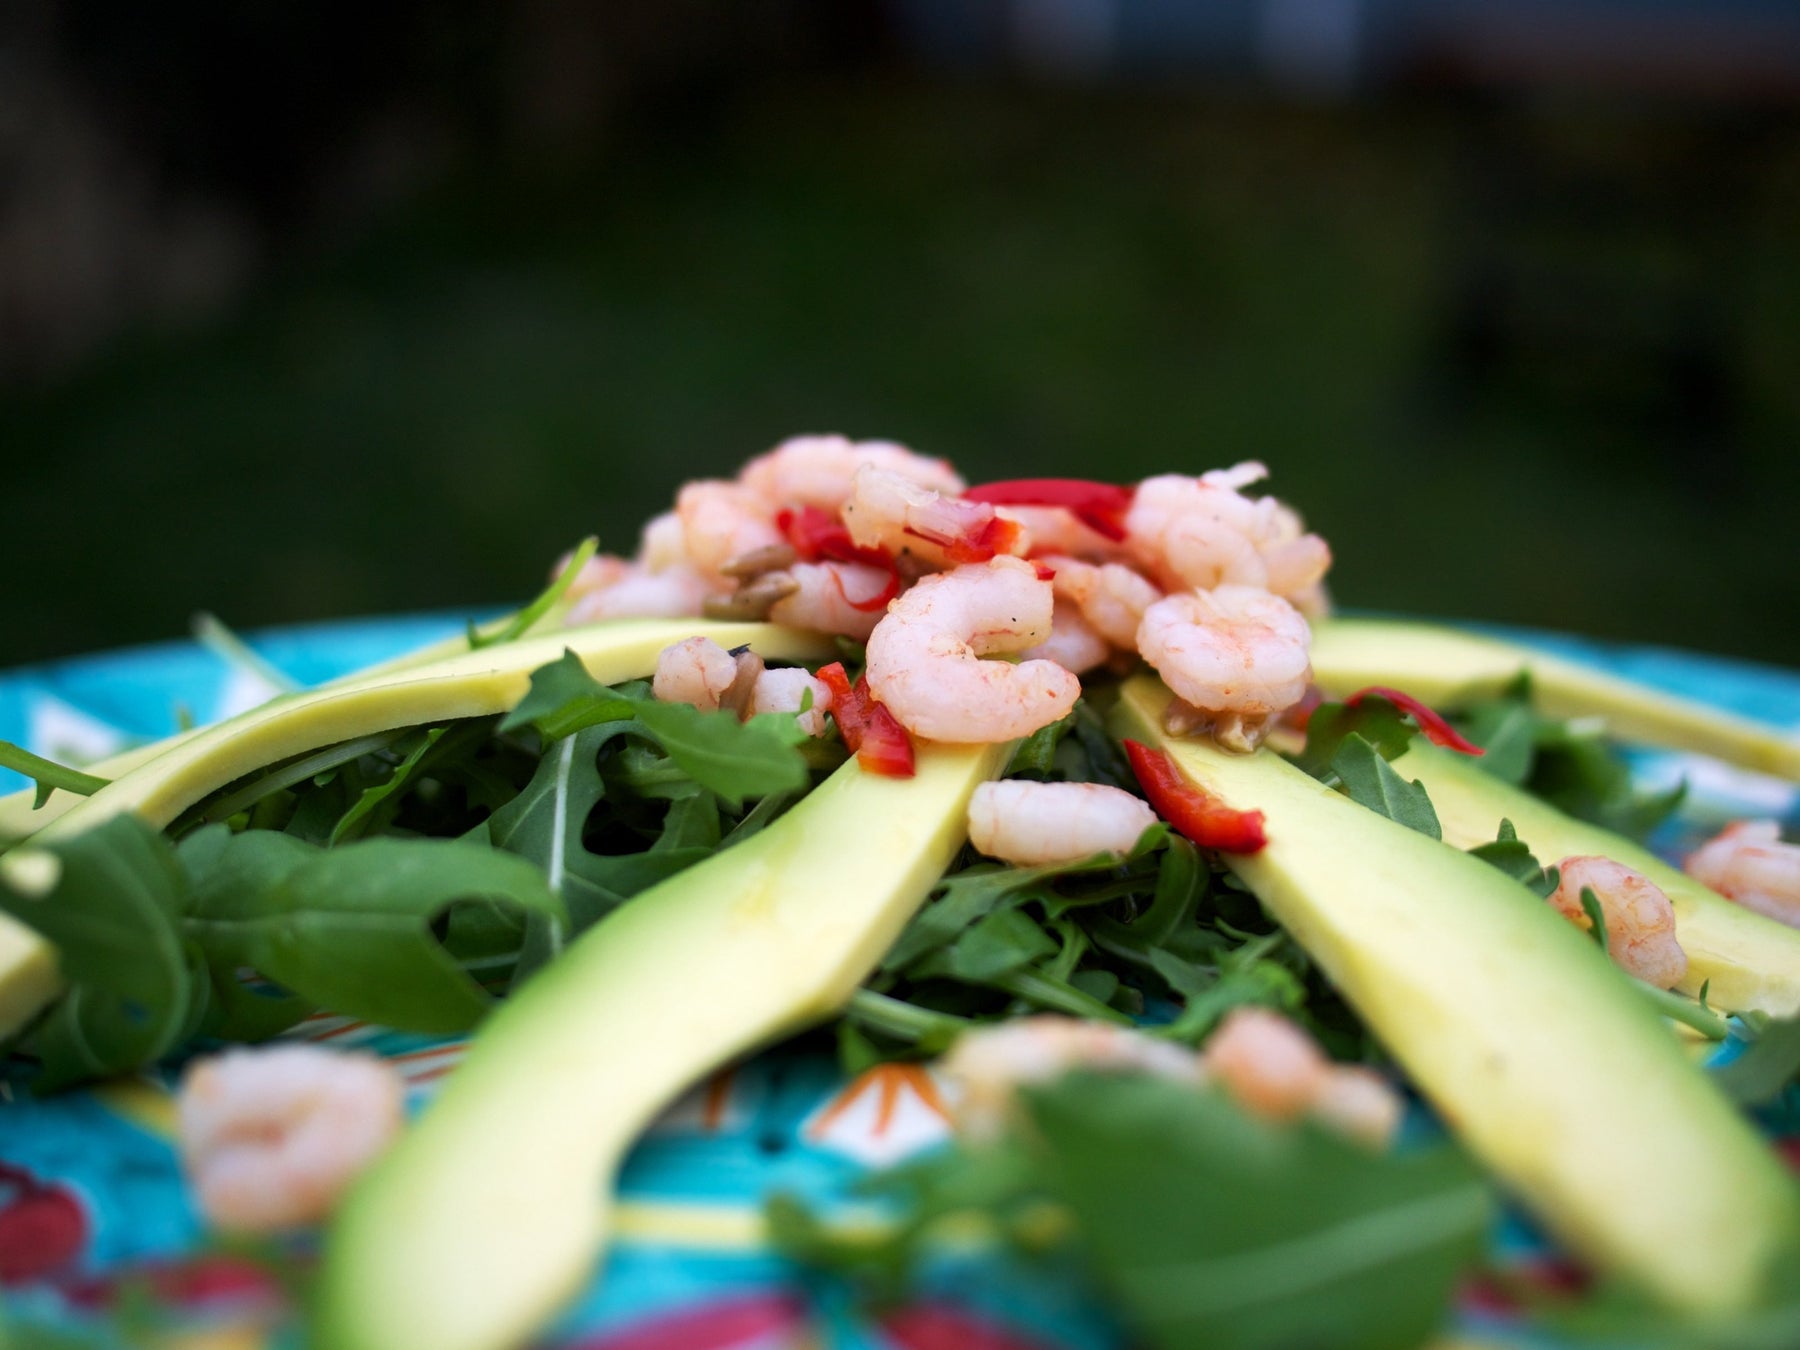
pixel 1201 967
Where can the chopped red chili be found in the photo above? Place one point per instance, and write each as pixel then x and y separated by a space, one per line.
pixel 1099 506
pixel 1436 729
pixel 1202 818
pixel 870 730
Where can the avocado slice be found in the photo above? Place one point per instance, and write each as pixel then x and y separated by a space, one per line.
pixel 20 814
pixel 468 684
pixel 1534 1049
pixel 1751 962
pixel 1442 665
pixel 491 1210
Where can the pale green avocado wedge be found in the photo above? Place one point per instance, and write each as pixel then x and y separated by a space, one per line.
pixel 492 1210
pixel 21 815
pixel 1751 963
pixel 1442 666
pixel 468 684
pixel 1536 1051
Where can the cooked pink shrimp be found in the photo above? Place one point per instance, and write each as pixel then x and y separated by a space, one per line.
pixel 1055 529
pixel 1019 821
pixel 721 521
pixel 696 670
pixel 1267 1063
pixel 675 592
pixel 1236 652
pixel 1112 597
pixel 817 470
pixel 990 1064
pixel 1640 921
pixel 924 656
pixel 1073 644
pixel 785 689
pixel 597 574
pixel 1358 1102
pixel 823 599
pixel 1202 532
pixel 662 543
pixel 271 1137
pixel 889 511
pixel 1748 863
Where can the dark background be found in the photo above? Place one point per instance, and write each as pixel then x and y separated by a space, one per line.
pixel 317 311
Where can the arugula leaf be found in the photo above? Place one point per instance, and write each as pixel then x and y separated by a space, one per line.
pixel 48 774
pixel 1035 756
pixel 350 929
pixel 1510 854
pixel 1374 720
pixel 111 913
pixel 1371 781
pixel 1596 917
pixel 355 822
pixel 546 823
pixel 732 758
pixel 1217 1229
pixel 519 624
pixel 230 878
pixel 564 698
pixel 995 946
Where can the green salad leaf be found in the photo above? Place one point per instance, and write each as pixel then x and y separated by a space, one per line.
pixel 1245 1235
pixel 112 909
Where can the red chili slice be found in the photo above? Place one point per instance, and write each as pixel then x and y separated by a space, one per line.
pixel 1099 506
pixel 879 741
pixel 1202 818
pixel 1436 729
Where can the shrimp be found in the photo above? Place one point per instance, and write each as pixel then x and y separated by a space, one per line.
pixel 1073 644
pixel 597 574
pixel 1237 652
pixel 989 1065
pixel 696 670
pixel 1356 1101
pixel 1748 863
pixel 786 689
pixel 662 543
pixel 271 1137
pixel 1267 1063
pixel 818 470
pixel 1027 823
pixel 924 656
pixel 826 595
pixel 1202 532
pixel 721 521
pixel 675 592
pixel 1112 597
pixel 1056 529
pixel 1640 921
pixel 1272 1068
pixel 889 511
pixel 700 672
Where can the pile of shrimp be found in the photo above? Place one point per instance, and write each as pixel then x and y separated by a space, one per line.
pixel 872 541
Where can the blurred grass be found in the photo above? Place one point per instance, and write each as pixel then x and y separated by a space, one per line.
pixel 1025 282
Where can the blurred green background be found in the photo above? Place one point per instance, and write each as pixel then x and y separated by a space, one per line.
pixel 1520 343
